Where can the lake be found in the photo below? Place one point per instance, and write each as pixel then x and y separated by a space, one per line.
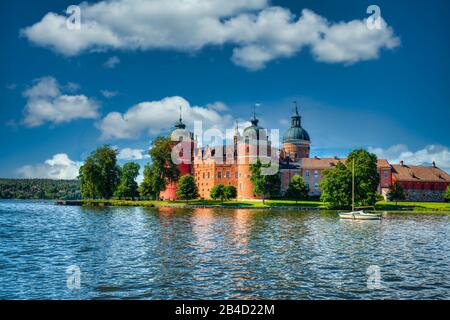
pixel 166 253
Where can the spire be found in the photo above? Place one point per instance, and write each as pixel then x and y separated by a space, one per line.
pixel 295 108
pixel 236 129
pixel 296 119
pixel 180 124
pixel 255 121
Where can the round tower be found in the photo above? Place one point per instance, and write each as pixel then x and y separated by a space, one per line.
pixel 296 141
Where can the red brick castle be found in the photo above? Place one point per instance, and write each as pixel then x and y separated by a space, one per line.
pixel 230 164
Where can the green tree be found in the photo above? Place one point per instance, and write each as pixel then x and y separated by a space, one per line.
pixel 163 171
pixel 230 192
pixel 264 185
pixel 396 193
pixel 297 189
pixel 367 177
pixel 337 183
pixel 147 189
pixel 99 175
pixel 223 192
pixel 447 193
pixel 336 187
pixel 128 187
pixel 186 188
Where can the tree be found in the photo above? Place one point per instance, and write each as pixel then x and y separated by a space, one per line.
pixel 367 177
pixel 337 187
pixel 396 193
pixel 230 192
pixel 297 189
pixel 337 183
pixel 128 187
pixel 146 189
pixel 99 175
pixel 447 193
pixel 264 185
pixel 223 192
pixel 186 188
pixel 163 171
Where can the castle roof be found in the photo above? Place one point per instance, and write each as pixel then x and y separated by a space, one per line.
pixel 420 173
pixel 296 132
pixel 324 163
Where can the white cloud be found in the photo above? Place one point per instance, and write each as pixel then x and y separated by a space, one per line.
pixel 396 153
pixel 112 62
pixel 108 94
pixel 132 154
pixel 259 32
pixel 46 103
pixel 155 116
pixel 58 167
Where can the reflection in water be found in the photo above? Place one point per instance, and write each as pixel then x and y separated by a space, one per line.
pixel 170 253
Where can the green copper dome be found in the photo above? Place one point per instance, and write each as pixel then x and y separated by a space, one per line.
pixel 296 132
pixel 254 129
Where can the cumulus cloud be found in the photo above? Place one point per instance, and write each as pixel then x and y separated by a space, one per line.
pixel 394 154
pixel 258 32
pixel 112 62
pixel 60 166
pixel 132 154
pixel 46 103
pixel 155 116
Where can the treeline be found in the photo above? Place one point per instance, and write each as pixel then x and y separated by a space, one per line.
pixel 39 189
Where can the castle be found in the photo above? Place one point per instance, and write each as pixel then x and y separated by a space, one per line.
pixel 230 164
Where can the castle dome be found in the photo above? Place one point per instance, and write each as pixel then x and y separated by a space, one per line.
pixel 296 132
pixel 254 129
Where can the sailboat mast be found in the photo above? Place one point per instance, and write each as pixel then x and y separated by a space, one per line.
pixel 353 186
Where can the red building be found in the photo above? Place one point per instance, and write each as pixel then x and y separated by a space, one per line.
pixel 230 164
pixel 421 183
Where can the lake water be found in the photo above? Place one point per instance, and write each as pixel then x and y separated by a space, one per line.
pixel 148 253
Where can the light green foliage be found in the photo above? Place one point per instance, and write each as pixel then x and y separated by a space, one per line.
pixel 223 192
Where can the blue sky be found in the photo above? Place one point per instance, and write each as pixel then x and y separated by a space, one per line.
pixel 64 92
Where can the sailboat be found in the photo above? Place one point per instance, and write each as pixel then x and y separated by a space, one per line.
pixel 358 215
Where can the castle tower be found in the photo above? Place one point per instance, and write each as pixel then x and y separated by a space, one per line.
pixel 248 150
pixel 186 155
pixel 296 141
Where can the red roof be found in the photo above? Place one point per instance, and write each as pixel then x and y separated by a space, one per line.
pixel 324 163
pixel 420 173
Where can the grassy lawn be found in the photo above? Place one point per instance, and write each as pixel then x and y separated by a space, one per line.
pixel 380 206
pixel 415 206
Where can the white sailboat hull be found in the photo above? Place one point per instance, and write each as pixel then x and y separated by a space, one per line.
pixel 360 215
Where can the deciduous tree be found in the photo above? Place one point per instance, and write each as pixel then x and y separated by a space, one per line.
pixel 297 189
pixel 186 188
pixel 128 187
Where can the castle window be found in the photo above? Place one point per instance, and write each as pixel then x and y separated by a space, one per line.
pixel 432 187
pixel 385 174
pixel 219 175
pixel 227 175
pixel 316 173
pixel 203 175
pixel 207 174
pixel 316 186
pixel 241 186
pixel 307 174
pixel 235 174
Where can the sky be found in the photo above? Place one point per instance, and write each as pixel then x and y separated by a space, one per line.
pixel 120 78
